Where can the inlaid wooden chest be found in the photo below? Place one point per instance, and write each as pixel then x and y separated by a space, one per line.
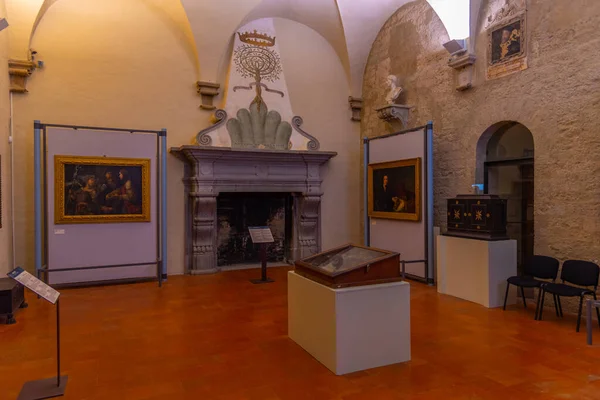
pixel 481 216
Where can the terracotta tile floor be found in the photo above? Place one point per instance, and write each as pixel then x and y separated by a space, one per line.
pixel 220 337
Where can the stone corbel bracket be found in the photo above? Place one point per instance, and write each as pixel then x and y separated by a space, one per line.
pixel 19 71
pixel 396 115
pixel 208 91
pixel 219 119
pixel 463 64
pixel 356 105
pixel 313 144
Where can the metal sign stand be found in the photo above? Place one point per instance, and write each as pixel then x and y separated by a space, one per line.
pixel 51 387
pixel 262 235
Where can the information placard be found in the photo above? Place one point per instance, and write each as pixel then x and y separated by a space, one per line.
pixel 261 234
pixel 34 284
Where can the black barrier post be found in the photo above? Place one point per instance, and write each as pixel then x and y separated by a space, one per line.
pixel 263 267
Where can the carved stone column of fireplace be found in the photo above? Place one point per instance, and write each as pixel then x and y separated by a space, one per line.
pixel 213 170
pixel 308 226
pixel 204 232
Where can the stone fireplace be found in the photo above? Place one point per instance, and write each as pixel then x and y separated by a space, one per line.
pixel 211 172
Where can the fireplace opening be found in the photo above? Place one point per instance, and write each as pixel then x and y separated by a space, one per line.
pixel 238 211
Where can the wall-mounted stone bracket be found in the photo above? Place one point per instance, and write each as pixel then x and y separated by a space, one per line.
pixel 356 105
pixel 396 115
pixel 463 64
pixel 207 90
pixel 19 71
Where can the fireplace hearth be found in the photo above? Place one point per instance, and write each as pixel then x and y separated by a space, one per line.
pixel 212 174
pixel 236 212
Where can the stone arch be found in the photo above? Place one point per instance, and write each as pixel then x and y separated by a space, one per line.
pixel 174 16
pixel 491 139
pixel 505 164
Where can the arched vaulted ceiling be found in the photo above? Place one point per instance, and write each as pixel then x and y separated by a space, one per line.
pixel 320 15
pixel 350 26
pixel 362 21
pixel 26 15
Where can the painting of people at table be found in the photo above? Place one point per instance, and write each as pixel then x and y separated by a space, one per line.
pixel 394 190
pixel 102 190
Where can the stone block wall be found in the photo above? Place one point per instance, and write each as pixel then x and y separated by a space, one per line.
pixel 557 98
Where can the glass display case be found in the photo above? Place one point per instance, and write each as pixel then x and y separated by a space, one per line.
pixel 351 265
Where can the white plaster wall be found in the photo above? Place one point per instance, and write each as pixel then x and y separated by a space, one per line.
pixel 212 24
pixel 5 194
pixel 139 74
pixel 318 91
pixel 133 75
pixel 21 15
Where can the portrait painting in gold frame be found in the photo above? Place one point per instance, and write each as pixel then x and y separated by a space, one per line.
pixel 92 190
pixel 395 190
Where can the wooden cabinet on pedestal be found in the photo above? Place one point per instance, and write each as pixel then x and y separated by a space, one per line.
pixel 12 297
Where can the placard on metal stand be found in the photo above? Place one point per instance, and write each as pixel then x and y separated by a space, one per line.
pixel 262 235
pixel 51 387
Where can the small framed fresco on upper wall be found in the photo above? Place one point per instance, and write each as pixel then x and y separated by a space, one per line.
pixel 507 46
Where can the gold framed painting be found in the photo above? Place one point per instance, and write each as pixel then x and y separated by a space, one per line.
pixel 92 190
pixel 395 190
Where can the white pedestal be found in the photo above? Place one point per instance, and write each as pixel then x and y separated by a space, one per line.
pixel 350 329
pixel 476 270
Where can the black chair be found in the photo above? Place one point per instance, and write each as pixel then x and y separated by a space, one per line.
pixel 542 267
pixel 580 273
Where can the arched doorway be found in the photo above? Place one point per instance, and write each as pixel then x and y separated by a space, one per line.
pixel 505 154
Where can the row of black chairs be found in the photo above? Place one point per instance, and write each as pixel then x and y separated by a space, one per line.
pixel 584 274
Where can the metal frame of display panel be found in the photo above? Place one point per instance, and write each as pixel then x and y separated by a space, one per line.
pixel 41 203
pixel 427 195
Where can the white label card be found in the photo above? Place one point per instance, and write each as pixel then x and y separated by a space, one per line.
pixel 34 284
pixel 261 234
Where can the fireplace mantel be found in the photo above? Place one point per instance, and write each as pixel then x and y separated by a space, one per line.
pixel 213 170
